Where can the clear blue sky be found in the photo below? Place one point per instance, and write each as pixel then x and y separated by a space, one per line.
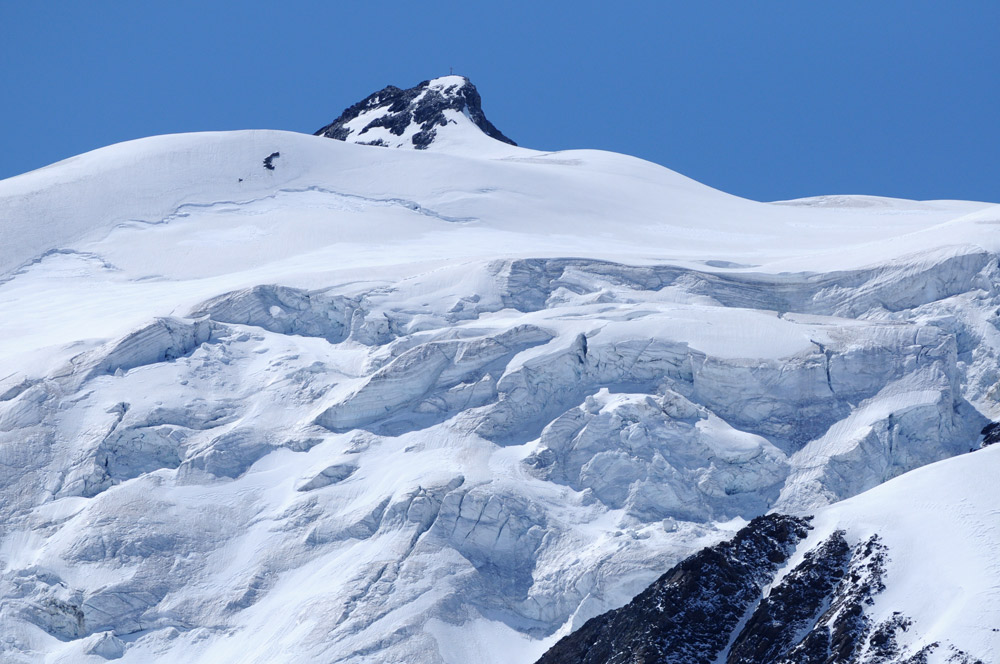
pixel 767 100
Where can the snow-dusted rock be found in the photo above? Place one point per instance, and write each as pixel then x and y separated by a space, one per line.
pixel 413 118
pixel 848 592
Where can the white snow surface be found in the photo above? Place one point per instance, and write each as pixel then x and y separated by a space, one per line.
pixel 941 527
pixel 444 406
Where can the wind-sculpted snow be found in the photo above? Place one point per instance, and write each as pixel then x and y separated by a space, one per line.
pixel 453 371
pixel 166 339
pixel 285 311
pixel 299 414
pixel 659 458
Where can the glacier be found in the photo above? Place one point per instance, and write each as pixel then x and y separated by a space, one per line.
pixel 448 404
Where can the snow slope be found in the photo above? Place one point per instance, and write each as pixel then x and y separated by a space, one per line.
pixel 396 405
pixel 903 573
pixel 940 527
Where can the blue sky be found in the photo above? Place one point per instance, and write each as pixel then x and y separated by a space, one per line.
pixel 767 100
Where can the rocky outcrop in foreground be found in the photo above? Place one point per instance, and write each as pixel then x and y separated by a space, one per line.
pixel 731 603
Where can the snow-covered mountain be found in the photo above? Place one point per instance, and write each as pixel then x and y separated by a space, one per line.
pixel 269 397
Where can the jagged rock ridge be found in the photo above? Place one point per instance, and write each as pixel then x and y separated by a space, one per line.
pixel 393 117
pixel 688 612
pixel 728 604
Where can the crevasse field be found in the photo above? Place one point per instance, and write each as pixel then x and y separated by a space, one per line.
pixel 380 405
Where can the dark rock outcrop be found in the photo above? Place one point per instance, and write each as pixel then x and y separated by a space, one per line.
pixel 991 434
pixel 712 608
pixel 793 605
pixel 842 630
pixel 421 106
pixel 688 614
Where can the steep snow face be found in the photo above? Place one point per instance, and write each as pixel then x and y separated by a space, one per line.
pixel 271 397
pixel 439 111
pixel 901 574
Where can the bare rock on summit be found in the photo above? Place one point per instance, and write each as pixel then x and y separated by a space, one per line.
pixel 413 117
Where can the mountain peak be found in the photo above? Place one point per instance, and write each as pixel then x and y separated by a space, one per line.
pixel 416 117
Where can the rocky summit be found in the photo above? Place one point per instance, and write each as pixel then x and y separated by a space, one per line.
pixel 414 117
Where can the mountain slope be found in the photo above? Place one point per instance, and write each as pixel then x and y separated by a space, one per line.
pixel 272 397
pixel 905 572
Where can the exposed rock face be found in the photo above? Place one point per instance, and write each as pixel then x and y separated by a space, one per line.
pixel 792 605
pixel 991 433
pixel 719 606
pixel 411 118
pixel 688 614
